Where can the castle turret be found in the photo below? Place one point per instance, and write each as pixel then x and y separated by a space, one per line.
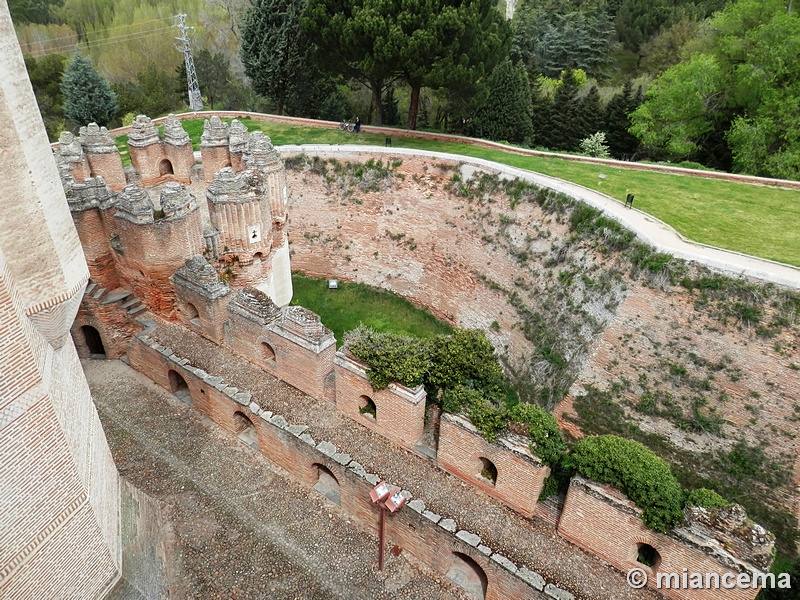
pixel 144 146
pixel 238 145
pixel 70 156
pixel 154 243
pixel 102 155
pixel 178 151
pixel 214 147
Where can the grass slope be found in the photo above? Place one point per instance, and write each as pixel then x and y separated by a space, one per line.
pixel 353 304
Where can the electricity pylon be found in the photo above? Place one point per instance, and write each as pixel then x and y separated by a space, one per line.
pixel 195 101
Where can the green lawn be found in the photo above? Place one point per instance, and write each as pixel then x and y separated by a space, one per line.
pixel 758 220
pixel 353 304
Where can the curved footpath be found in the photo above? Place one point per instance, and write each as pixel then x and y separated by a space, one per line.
pixel 647 228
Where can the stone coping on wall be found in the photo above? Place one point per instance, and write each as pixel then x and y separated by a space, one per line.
pixel 687 534
pixel 349 363
pixel 516 444
pixel 329 449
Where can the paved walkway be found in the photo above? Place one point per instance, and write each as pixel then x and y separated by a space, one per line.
pixel 237 527
pixel 648 229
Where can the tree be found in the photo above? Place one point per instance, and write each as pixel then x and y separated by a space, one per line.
pixel 357 39
pixel 507 112
pixel 566 128
pixel 213 75
pixel 158 94
pixel 88 97
pixel 45 75
pixel 278 55
pixel 621 143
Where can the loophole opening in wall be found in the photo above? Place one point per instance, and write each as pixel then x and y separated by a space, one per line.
pixel 367 408
pixel 245 430
pixel 648 556
pixel 179 387
pixel 488 470
pixel 468 575
pixel 93 341
pixel 192 314
pixel 327 484
pixel 267 352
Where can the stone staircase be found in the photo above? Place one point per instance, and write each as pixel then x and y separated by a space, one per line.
pixel 124 298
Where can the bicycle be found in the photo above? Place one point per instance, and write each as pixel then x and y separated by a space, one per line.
pixel 346 126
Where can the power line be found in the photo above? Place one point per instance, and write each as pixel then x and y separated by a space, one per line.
pixel 92 44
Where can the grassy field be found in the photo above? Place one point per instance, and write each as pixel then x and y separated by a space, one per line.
pixel 758 220
pixel 354 304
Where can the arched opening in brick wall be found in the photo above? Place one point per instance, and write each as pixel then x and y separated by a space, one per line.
pixel 245 430
pixel 648 556
pixel 267 352
pixel 327 484
pixel 468 574
pixel 192 315
pixel 179 387
pixel 93 341
pixel 366 406
pixel 165 167
pixel 258 257
pixel 488 470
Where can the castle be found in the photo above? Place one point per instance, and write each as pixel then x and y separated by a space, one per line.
pixel 220 268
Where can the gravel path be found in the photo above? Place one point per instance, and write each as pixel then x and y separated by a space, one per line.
pixel 530 542
pixel 240 528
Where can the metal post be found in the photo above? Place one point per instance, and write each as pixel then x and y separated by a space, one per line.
pixel 382 536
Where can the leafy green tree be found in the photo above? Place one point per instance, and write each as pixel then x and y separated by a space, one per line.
pixel 158 94
pixel 45 74
pixel 507 113
pixel 278 56
pixel 88 97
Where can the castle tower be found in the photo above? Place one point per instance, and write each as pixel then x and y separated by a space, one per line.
pixel 154 244
pixel 238 137
pixel 214 148
pixel 177 150
pixel 71 158
pixel 102 155
pixel 240 214
pixel 59 488
pixel 144 146
pixel 87 202
pixel 263 159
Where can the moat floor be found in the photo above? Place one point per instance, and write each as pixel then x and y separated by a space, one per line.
pixel 235 525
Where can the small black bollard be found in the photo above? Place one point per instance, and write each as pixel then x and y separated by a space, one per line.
pixel 387 142
pixel 629 201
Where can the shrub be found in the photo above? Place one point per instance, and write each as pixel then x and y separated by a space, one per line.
pixel 705 498
pixel 644 477
pixel 595 145
pixel 546 440
pixel 390 357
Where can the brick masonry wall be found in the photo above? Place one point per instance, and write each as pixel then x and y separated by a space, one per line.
pixel 109 167
pixel 215 158
pixel 146 160
pixel 432 540
pixel 519 477
pixel 182 159
pixel 301 367
pixel 613 531
pixel 210 321
pixel 400 412
pixel 96 247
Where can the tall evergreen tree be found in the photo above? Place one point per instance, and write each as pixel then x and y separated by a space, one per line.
pixel 591 113
pixel 88 97
pixel 566 121
pixel 621 143
pixel 507 112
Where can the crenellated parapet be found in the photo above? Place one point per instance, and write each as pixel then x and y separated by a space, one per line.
pixel 156 160
pixel 238 139
pixel 214 147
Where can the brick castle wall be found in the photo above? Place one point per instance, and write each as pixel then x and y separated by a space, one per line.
pixel 400 411
pixel 520 475
pixel 611 528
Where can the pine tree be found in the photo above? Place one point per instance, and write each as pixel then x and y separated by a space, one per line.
pixel 88 97
pixel 507 113
pixel 566 122
pixel 621 143
pixel 591 113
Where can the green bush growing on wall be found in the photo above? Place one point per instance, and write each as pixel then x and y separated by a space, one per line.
pixel 705 498
pixel 644 477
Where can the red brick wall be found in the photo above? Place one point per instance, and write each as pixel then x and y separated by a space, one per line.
pixel 613 530
pixel 96 247
pixel 215 158
pixel 407 529
pixel 301 367
pixel 146 161
pixel 519 478
pixel 109 167
pixel 400 414
pixel 211 313
pixel 182 159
